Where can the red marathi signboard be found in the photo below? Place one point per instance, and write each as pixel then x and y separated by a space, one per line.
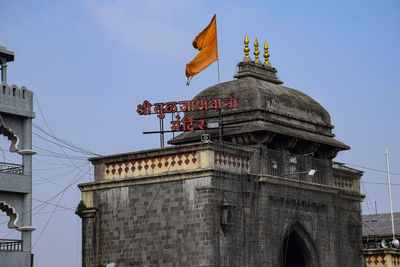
pixel 187 123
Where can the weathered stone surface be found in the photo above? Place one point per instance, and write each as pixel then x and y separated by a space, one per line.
pixel 161 221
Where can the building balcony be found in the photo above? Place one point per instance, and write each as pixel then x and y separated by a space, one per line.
pixel 10 245
pixel 308 169
pixel 11 168
pixel 14 179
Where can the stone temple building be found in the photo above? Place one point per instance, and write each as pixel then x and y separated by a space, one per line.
pixel 263 191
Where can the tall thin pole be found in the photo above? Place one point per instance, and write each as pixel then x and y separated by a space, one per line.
pixel 218 70
pixel 216 29
pixel 220 122
pixel 390 191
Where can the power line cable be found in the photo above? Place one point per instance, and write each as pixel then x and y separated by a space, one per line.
pixel 62 157
pixel 49 203
pixel 55 208
pixel 54 177
pixel 48 221
pixel 56 195
pixel 368 198
pixel 371 169
pixel 52 163
pixel 67 147
pixel 85 151
pixel 379 183
pixel 45 121
pixel 49 152
pixel 124 250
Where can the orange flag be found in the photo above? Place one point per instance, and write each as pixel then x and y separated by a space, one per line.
pixel 206 42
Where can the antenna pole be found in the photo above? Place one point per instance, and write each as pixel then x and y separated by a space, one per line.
pixel 390 191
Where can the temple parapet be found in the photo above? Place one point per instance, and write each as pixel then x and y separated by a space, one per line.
pixel 16 100
pixel 205 158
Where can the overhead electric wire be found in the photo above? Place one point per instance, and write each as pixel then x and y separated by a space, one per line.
pixel 48 221
pixel 61 157
pixel 56 195
pixel 368 198
pixel 55 177
pixel 47 212
pixel 62 144
pixel 49 203
pixel 124 250
pixel 45 121
pixel 66 147
pixel 65 166
pixel 371 169
pixel 380 183
pixel 49 152
pixel 51 163
pixel 56 206
pixel 69 144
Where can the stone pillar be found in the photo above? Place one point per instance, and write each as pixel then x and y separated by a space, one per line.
pixel 27 163
pixel 3 70
pixel 89 237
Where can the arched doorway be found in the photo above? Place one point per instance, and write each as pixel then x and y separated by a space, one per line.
pixel 298 248
pixel 293 252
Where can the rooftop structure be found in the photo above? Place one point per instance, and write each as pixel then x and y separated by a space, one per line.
pixel 16 114
pixel 263 191
pixel 376 228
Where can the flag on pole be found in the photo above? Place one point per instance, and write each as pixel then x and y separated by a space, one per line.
pixel 206 43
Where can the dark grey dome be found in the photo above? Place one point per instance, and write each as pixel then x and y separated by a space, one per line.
pixel 267 113
pixel 254 93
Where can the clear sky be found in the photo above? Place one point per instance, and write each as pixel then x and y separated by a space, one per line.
pixel 91 62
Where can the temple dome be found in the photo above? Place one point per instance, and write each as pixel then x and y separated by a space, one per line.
pixel 255 93
pixel 268 114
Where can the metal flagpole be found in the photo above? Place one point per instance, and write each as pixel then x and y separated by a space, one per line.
pixel 220 122
pixel 218 70
pixel 216 30
pixel 390 191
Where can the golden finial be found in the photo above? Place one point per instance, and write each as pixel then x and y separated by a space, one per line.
pixel 246 49
pixel 256 52
pixel 266 55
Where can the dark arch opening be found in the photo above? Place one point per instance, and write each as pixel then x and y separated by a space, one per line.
pixel 293 252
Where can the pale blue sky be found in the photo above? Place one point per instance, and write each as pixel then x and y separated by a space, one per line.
pixel 91 62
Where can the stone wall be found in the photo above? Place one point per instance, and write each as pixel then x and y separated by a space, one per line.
pixel 177 218
pixel 174 230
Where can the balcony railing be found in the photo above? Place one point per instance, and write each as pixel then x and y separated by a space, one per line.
pixel 11 168
pixel 292 166
pixel 10 245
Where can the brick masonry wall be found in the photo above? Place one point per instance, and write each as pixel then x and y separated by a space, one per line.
pixel 177 230
pixel 183 225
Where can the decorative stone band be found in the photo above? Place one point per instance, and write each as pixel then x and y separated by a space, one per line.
pixel 396 260
pixel 150 166
pixel 345 183
pixel 232 162
pixel 376 260
pixel 176 162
